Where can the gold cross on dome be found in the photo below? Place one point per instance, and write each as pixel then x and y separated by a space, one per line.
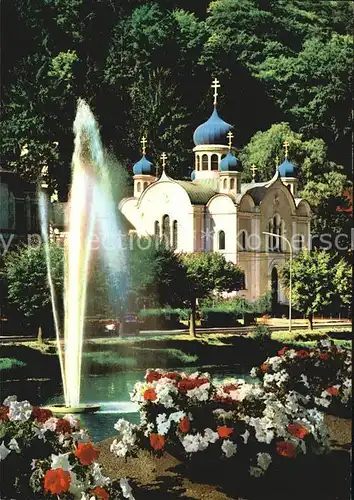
pixel 286 147
pixel 254 170
pixel 230 136
pixel 143 142
pixel 215 85
pixel 163 157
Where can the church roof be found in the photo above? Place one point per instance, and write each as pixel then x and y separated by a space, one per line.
pixel 287 169
pixel 143 166
pixel 230 163
pixel 213 131
pixel 198 194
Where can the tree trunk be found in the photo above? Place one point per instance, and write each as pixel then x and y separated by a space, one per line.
pixel 192 329
pixel 40 335
pixel 310 321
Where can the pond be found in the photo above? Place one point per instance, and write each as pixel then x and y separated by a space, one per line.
pixel 111 391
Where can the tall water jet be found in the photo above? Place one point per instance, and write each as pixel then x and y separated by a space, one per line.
pixel 91 207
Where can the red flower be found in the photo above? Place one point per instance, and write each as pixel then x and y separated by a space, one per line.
pixel 63 426
pixel 224 431
pixel 184 424
pixel 298 430
pixel 41 414
pixel 264 367
pixel 152 376
pixel 230 387
pixel 286 449
pixel 157 441
pixel 150 395
pixel 100 493
pixel 57 481
pixel 86 453
pixel 324 355
pixel 302 354
pixel 171 375
pixel 4 412
pixel 187 384
pixel 283 351
pixel 333 391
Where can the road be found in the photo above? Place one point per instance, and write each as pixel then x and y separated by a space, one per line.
pixel 240 330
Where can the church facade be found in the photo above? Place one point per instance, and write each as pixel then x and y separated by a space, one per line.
pixel 215 212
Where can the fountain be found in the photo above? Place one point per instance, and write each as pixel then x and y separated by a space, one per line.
pixel 91 207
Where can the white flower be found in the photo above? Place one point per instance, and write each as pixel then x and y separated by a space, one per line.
pixel 73 421
pixel 80 436
pixel 3 451
pixel 200 393
pixel 253 372
pixel 275 362
pixel 33 464
pixel 210 435
pixel 256 471
pixel 76 486
pixel 229 448
pixel 245 436
pixel 13 445
pixel 19 411
pixel 50 424
pixel 39 432
pixel 119 448
pixel 99 478
pixel 264 460
pixel 61 462
pixel 304 380
pixel 9 399
pixel 193 443
pixel 126 489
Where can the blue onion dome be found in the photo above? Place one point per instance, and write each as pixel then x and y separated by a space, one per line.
pixel 230 163
pixel 193 175
pixel 213 131
pixel 287 169
pixel 142 167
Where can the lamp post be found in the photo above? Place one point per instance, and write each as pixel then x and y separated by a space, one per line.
pixel 290 269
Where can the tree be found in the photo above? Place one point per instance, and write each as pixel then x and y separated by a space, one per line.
pixel 27 282
pixel 317 282
pixel 208 272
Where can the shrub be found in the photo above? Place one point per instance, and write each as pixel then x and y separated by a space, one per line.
pixel 42 454
pixel 10 363
pixel 160 318
pixel 219 317
pixel 261 332
pixel 190 415
pixel 321 374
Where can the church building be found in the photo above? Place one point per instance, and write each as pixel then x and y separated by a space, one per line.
pixel 215 212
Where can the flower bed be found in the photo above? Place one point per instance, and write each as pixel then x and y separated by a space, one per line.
pixel 321 374
pixel 192 416
pixel 42 456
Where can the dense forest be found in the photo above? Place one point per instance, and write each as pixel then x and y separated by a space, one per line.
pixel 146 67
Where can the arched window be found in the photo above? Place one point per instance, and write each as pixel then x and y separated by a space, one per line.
pixel 214 162
pixel 145 185
pixel 275 231
pixel 221 240
pixel 243 240
pixel 157 230
pixel 224 185
pixel 175 235
pixel 166 236
pixel 280 232
pixel 232 183
pixel 197 164
pixel 205 162
pixel 138 187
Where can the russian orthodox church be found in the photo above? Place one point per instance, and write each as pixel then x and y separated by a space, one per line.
pixel 216 212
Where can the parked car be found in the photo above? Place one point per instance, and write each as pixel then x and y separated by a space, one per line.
pixel 129 324
pixel 111 326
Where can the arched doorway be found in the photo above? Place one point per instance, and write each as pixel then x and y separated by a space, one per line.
pixel 275 289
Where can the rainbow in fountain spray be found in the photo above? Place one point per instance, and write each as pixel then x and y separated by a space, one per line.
pixel 91 212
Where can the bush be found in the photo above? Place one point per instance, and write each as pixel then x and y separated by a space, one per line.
pixel 261 332
pixel 193 417
pixel 165 319
pixel 321 374
pixel 10 363
pixel 219 317
pixel 44 456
